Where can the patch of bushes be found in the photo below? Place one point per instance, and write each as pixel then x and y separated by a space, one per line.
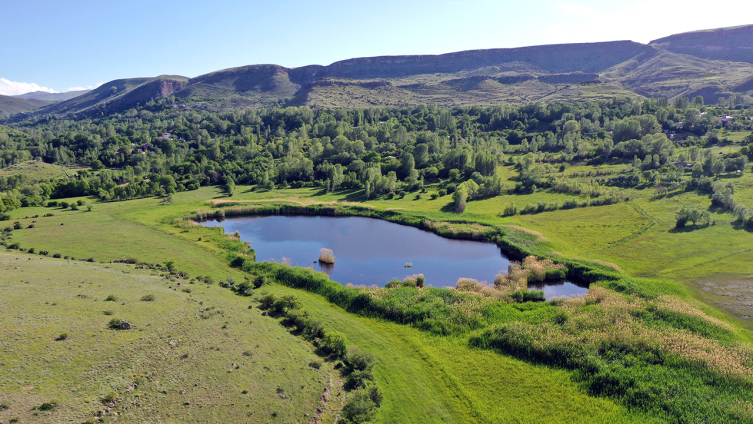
pixel 47 406
pixel 117 324
pixel 147 298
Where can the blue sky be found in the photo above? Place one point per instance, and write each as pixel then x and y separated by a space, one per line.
pixel 55 45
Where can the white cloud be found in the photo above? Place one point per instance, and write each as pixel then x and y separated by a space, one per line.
pixel 641 21
pixel 91 87
pixel 12 88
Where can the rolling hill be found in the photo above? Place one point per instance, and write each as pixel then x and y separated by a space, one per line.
pixel 714 63
pixel 118 95
pixel 734 44
pixel 53 97
pixel 10 105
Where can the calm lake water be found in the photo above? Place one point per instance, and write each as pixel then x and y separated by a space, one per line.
pixel 374 252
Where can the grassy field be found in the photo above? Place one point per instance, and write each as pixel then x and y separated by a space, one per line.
pixel 195 353
pixel 37 171
pixel 456 383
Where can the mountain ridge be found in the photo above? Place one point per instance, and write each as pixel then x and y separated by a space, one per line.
pixel 675 66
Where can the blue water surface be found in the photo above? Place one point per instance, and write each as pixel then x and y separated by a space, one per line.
pixel 373 252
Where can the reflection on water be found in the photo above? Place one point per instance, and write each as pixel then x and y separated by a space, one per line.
pixel 560 288
pixel 369 251
pixel 328 269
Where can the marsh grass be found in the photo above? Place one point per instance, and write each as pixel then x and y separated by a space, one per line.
pixel 326 256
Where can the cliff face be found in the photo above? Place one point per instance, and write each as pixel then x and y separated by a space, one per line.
pixel 119 94
pixel 734 44
pixel 560 58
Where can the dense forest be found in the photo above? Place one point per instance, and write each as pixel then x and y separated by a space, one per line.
pixel 158 149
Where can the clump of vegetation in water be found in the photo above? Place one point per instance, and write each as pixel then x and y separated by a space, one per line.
pixel 326 256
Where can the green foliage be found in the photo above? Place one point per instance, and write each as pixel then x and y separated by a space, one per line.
pixel 335 343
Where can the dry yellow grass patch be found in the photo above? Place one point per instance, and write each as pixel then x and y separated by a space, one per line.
pixel 538 235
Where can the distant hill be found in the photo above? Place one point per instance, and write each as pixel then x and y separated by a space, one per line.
pixel 10 105
pixel 714 63
pixel 53 97
pixel 734 43
pixel 119 95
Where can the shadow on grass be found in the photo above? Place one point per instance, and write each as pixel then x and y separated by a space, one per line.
pixel 688 228
pixel 741 226
pixel 450 207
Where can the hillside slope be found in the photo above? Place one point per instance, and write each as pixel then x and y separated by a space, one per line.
pixel 733 44
pixel 119 94
pixel 713 64
pixel 53 97
pixel 10 105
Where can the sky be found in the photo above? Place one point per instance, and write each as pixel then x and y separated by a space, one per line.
pixel 58 46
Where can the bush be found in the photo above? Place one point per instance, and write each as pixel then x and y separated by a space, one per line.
pixel 315 364
pixel 259 281
pixel 442 192
pixel 358 379
pixel 17 225
pixel 108 398
pixel 31 250
pixel 148 298
pixel 111 298
pixel 360 360
pixel 335 343
pixel 47 406
pixel 116 324
pixel 510 210
pixel 62 336
pixel 4 217
pixel 359 409
pixel 57 255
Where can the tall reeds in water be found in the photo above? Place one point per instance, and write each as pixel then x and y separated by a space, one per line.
pixel 326 256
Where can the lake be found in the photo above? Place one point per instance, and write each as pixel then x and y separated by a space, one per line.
pixel 373 252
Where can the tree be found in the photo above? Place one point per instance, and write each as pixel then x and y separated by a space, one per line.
pixel 407 166
pixel 460 196
pixel 229 186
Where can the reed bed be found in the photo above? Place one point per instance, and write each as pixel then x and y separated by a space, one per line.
pixel 326 256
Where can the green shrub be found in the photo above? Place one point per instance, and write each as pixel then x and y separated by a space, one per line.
pixel 148 298
pixel 359 409
pixel 335 343
pixel 47 406
pixel 111 298
pixel 62 336
pixel 109 398
pixel 360 360
pixel 116 324
pixel 358 379
pixel 315 364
